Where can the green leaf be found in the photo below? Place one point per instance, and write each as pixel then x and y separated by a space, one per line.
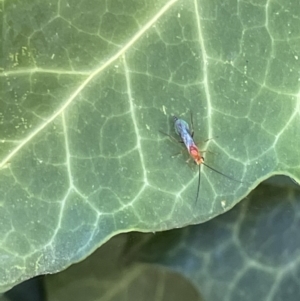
pixel 86 88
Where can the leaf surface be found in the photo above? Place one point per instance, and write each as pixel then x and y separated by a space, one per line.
pixel 88 85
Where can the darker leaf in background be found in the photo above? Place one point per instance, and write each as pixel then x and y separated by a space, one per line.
pixel 30 290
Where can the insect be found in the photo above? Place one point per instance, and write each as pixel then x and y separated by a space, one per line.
pixel 183 130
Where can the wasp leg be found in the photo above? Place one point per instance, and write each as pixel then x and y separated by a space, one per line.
pixel 171 137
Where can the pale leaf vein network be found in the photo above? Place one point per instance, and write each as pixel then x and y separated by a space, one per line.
pixel 92 75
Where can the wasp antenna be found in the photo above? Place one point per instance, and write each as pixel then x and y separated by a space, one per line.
pixel 198 189
pixel 231 178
